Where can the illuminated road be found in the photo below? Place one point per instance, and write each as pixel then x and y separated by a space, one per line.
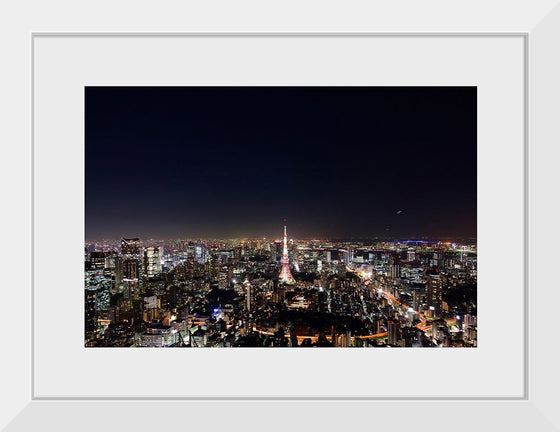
pixel 421 325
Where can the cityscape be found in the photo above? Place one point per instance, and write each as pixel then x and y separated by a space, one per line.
pixel 280 293
pixel 280 217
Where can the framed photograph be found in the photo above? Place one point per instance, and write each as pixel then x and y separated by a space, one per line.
pixel 322 227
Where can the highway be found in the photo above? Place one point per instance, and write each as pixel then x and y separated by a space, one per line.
pixel 421 325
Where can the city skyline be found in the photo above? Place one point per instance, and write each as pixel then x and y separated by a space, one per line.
pixel 242 294
pixel 223 162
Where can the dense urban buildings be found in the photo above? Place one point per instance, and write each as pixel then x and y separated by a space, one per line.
pixel 280 293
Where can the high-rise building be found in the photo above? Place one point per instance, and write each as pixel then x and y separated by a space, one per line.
pixel 344 256
pixel 98 260
pixel 130 248
pixel 394 267
pixel 224 277
pixel 131 278
pixel 214 265
pixel 434 292
pixel 412 272
pixel 160 335
pixel 152 262
pixel 469 320
pixel 285 274
pixel 276 251
pixel 393 331
pixel 341 269
pixel 248 295
pixel 200 253
pixel 416 300
pixel 103 294
pixel 131 269
pixel 411 254
pixel 114 264
pixel 90 297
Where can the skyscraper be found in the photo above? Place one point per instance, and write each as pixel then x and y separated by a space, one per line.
pixel 248 295
pixel 285 274
pixel 115 265
pixel 130 250
pixel 434 288
pixel 394 267
pixel 98 260
pixel 152 262
pixel 393 330
pixel 90 298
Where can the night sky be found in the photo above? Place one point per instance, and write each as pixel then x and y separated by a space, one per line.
pixel 224 162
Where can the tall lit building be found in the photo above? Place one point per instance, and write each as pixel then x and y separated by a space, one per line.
pixel 131 278
pixel 434 289
pixel 394 267
pixel 393 330
pixel 130 248
pixel 98 260
pixel 285 274
pixel 344 256
pixel 276 251
pixel 416 300
pixel 152 262
pixel 114 264
pixel 200 253
pixel 411 254
pixel 131 269
pixel 248 295
pixel 90 300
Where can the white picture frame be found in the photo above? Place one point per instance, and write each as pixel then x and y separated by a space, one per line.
pixel 538 25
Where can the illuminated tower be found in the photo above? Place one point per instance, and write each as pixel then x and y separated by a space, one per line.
pixel 285 275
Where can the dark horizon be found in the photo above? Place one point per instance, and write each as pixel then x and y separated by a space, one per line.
pixel 151 239
pixel 233 162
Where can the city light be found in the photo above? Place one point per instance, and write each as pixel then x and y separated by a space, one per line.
pixel 364 293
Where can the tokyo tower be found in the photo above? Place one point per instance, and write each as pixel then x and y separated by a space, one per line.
pixel 285 275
